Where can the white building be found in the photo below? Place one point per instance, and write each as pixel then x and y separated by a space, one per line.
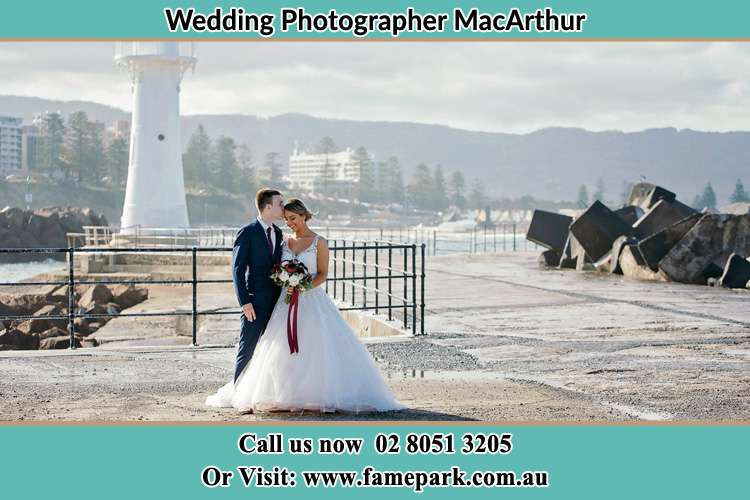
pixel 11 161
pixel 30 149
pixel 310 171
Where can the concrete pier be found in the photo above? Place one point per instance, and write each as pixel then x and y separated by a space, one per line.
pixel 506 340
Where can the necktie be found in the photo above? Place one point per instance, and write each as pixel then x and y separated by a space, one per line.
pixel 270 244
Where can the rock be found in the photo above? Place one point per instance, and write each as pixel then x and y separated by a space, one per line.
pixel 736 272
pixel 19 339
pixel 49 290
pixel 549 258
pixel 597 228
pixel 97 294
pixel 655 247
pixel 659 217
pixel 113 308
pixel 39 323
pixel 89 342
pixel 62 342
pixel 22 305
pixel 712 240
pixel 549 230
pixel 81 325
pixel 53 332
pixel 645 195
pixel 127 296
pixel 634 267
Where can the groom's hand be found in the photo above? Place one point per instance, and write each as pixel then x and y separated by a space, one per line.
pixel 249 312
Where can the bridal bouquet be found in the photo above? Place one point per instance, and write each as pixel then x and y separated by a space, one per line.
pixel 291 273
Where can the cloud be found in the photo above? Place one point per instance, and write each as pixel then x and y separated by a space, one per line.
pixel 507 87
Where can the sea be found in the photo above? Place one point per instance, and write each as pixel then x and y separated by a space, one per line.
pixel 13 273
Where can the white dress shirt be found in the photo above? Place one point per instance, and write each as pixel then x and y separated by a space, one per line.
pixel 265 230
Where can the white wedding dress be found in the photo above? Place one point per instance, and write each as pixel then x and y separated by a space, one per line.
pixel 332 370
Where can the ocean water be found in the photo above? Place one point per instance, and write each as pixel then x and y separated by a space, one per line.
pixel 21 271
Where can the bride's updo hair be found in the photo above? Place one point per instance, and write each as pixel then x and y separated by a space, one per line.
pixel 298 207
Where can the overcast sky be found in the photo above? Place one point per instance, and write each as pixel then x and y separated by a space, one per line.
pixel 504 87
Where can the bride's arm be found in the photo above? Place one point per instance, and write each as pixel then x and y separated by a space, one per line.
pixel 323 256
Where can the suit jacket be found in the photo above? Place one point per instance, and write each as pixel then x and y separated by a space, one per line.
pixel 252 262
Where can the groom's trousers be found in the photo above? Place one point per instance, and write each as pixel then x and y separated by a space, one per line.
pixel 250 333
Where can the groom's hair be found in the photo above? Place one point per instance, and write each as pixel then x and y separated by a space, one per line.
pixel 265 197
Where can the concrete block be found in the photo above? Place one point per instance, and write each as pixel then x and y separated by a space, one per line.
pixel 713 239
pixel 655 247
pixel 549 258
pixel 597 228
pixel 645 195
pixel 659 217
pixel 549 230
pixel 630 214
pixel 736 272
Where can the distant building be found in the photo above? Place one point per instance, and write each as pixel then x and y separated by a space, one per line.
pixel 30 148
pixel 119 129
pixel 311 171
pixel 10 145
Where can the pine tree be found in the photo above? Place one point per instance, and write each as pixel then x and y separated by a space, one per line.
pixel 52 144
pixel 709 197
pixel 117 160
pixel 197 158
pixel 440 192
pixel 583 197
pixel 366 186
pixel 421 188
pixel 739 195
pixel 477 195
pixel 225 169
pixel 247 182
pixel 457 190
pixel 95 157
pixel 272 171
pixel 600 189
pixel 77 139
pixel 397 193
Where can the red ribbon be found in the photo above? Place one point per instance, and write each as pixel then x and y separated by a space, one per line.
pixel 291 324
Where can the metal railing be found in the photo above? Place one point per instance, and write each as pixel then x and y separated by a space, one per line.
pixel 503 237
pixel 409 305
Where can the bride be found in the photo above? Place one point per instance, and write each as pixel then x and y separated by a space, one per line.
pixel 332 369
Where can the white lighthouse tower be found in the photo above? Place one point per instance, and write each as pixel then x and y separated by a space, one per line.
pixel 155 193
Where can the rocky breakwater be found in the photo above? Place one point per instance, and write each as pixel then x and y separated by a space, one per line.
pixel 653 237
pixel 48 328
pixel 44 228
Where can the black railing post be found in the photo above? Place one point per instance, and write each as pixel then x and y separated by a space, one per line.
pixel 364 274
pixel 390 282
pixel 505 235
pixel 421 294
pixel 494 239
pixel 377 276
pixel 343 270
pixel 71 297
pixel 354 269
pixel 335 267
pixel 406 282
pixel 414 289
pixel 195 297
pixel 485 237
pixel 514 236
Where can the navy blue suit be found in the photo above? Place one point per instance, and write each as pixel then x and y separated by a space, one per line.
pixel 252 261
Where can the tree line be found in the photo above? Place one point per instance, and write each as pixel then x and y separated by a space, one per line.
pixel 75 151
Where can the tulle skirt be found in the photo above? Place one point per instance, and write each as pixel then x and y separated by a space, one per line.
pixel 332 370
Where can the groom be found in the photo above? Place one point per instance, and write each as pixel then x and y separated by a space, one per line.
pixel 256 249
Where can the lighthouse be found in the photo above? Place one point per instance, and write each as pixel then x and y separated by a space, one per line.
pixel 155 192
